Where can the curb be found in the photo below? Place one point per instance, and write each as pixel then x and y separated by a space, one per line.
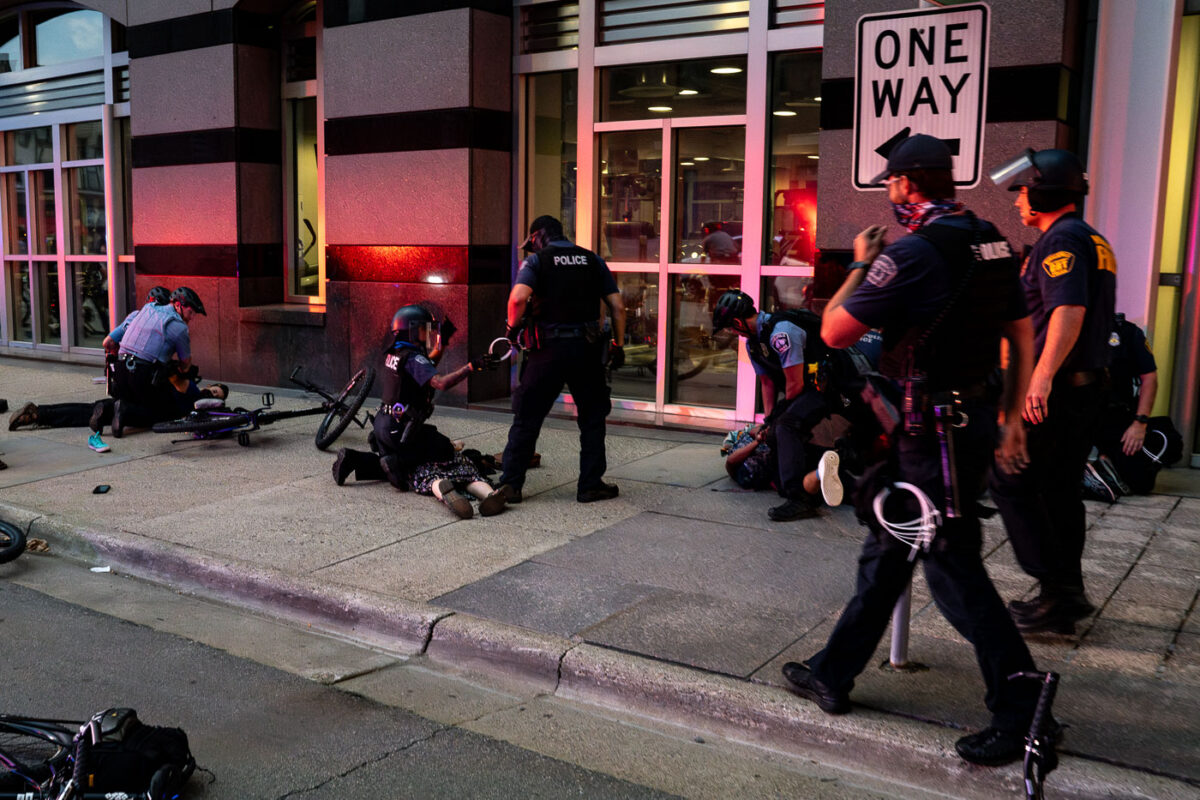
pixel 912 753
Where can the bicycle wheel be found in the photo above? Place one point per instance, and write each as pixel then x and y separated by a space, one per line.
pixel 30 756
pixel 345 407
pixel 203 422
pixel 12 542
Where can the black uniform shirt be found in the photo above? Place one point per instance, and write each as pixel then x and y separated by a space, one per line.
pixel 1073 265
pixel 569 280
pixel 1131 359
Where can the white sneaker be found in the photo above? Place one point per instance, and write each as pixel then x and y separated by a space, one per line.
pixel 827 473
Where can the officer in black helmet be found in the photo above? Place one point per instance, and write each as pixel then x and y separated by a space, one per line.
pixel 943 296
pixel 403 442
pixel 779 346
pixel 1069 280
pixel 564 284
pixel 151 345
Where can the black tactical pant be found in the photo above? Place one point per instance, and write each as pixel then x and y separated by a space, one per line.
pixel 425 443
pixel 146 396
pixel 575 363
pixel 953 569
pixel 792 429
pixel 1042 506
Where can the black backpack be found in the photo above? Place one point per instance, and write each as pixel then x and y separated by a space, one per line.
pixel 133 757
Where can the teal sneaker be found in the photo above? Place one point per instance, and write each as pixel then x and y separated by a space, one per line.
pixel 97 444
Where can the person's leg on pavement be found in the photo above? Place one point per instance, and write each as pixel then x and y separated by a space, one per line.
pixel 590 391
pixel 363 466
pixel 541 381
pixel 491 501
pixel 64 415
pixel 793 430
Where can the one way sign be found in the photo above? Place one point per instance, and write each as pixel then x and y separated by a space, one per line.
pixel 921 72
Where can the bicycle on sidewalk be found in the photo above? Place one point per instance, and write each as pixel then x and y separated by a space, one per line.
pixel 339 409
pixel 12 541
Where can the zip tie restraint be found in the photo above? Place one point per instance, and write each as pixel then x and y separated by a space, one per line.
pixel 918 532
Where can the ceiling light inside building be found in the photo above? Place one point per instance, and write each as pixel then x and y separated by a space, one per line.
pixel 687 92
pixel 784 113
pixel 659 109
pixel 725 70
pixel 701 158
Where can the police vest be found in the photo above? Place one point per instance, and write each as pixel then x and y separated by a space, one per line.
pixel 399 386
pixel 568 284
pixel 960 346
pixel 146 334
pixel 815 351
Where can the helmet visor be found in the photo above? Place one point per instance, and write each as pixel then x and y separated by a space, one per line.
pixel 1015 173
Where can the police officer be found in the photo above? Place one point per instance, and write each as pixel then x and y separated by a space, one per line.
pixel 563 284
pixel 943 297
pixel 145 343
pixel 776 345
pixel 402 439
pixel 1069 279
pixel 1133 379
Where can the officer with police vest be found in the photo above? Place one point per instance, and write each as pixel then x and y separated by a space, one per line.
pixel 943 296
pixel 562 285
pixel 777 344
pixel 145 343
pixel 1070 280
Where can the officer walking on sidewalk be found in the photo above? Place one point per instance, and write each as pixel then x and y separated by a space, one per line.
pixel 943 296
pixel 1069 280
pixel 564 284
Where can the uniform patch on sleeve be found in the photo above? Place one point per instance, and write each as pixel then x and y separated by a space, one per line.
pixel 883 269
pixel 1114 339
pixel 1058 264
pixel 781 343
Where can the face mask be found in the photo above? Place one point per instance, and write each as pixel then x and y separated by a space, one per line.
pixel 914 215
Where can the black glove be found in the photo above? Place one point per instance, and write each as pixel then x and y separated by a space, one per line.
pixel 483 362
pixel 513 333
pixel 447 329
pixel 616 357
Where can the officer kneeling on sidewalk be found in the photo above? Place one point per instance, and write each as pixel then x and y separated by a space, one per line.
pixel 564 284
pixel 943 297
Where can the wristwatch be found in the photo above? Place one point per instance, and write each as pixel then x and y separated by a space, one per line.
pixel 1142 418
pixel 858 265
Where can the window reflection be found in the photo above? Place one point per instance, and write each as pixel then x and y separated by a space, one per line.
pixel 636 380
pixel 10 44
pixel 17 221
pixel 49 328
pixel 551 163
pixel 709 192
pixel 674 89
pixel 66 35
pixel 20 310
pixel 795 120
pixel 630 195
pixel 29 146
pixel 85 209
pixel 90 284
pixel 85 140
pixel 305 260
pixel 703 366
pixel 45 233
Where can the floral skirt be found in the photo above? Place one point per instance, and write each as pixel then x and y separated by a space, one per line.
pixel 458 469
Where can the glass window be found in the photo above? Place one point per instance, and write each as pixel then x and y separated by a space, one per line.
pixel 674 89
pixel 630 195
pixel 49 328
pixel 305 262
pixel 29 146
pixel 709 190
pixel 10 43
pixel 637 379
pixel 90 285
pixel 21 315
pixel 792 176
pixel 126 184
pixel 85 140
pixel 64 35
pixel 782 292
pixel 85 210
pixel 551 162
pixel 16 215
pixel 42 188
pixel 703 368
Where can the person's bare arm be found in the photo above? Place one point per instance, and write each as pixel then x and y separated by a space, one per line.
pixel 616 307
pixel 794 381
pixel 838 327
pixel 517 299
pixel 1065 324
pixel 1135 435
pixel 1011 453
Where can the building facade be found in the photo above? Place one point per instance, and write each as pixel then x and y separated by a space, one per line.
pixel 308 167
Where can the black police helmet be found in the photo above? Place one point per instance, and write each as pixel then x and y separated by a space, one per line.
pixel 188 297
pixel 1054 178
pixel 159 295
pixel 407 321
pixel 732 305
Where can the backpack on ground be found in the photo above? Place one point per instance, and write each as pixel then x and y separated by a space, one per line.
pixel 134 757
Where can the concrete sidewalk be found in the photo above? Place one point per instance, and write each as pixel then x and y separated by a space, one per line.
pixel 679 599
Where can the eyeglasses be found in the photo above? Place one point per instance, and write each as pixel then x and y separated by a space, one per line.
pixel 892 179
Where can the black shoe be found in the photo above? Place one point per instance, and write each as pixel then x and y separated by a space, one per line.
pixel 991 747
pixel 605 491
pixel 793 509
pixel 118 428
pixel 341 467
pixel 808 687
pixel 492 504
pixel 395 476
pixel 1051 613
pixel 27 417
pixel 1108 471
pixel 1095 487
pixel 512 495
pixel 454 499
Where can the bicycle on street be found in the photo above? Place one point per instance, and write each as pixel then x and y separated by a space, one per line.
pixel 12 541
pixel 339 409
